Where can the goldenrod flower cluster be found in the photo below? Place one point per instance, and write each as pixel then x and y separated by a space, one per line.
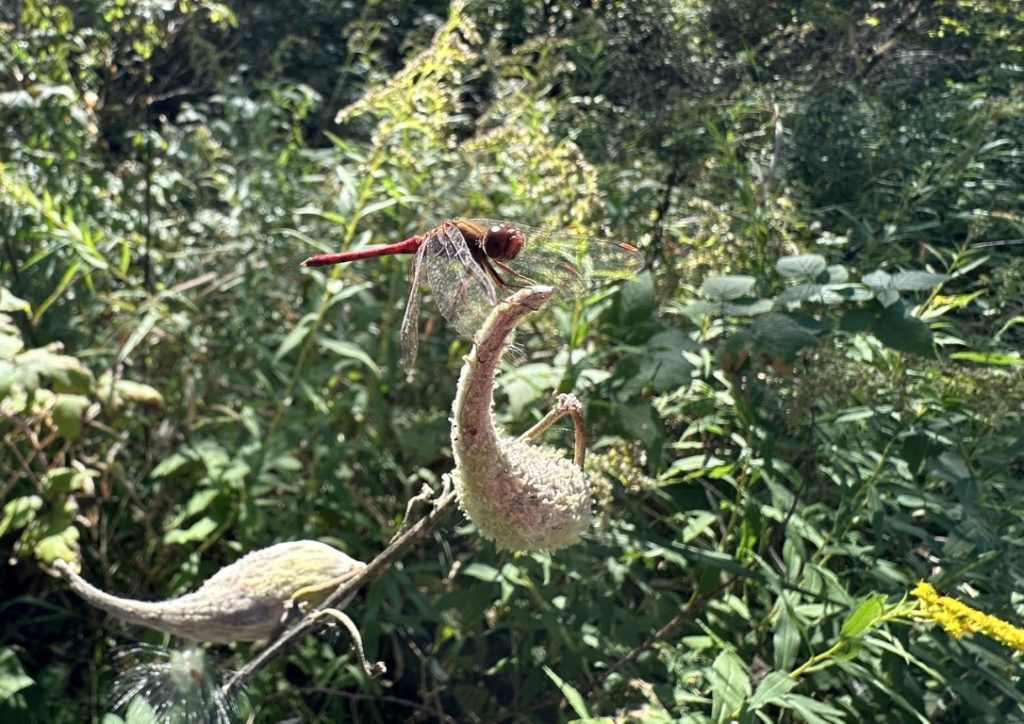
pixel 959 618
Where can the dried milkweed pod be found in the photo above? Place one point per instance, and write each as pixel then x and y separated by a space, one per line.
pixel 245 601
pixel 520 495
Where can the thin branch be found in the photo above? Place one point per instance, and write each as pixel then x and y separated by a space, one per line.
pixel 444 501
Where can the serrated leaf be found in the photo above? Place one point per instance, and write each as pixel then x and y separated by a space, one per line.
pixel 727 287
pixel 863 616
pixel 801 265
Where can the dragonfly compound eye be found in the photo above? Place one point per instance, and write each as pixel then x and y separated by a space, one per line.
pixel 502 241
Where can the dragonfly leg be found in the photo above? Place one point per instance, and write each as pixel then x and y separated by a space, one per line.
pixel 564 405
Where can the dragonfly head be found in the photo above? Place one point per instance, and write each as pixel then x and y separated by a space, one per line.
pixel 502 241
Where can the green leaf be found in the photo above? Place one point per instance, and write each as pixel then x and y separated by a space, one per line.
pixel 771 689
pixel 571 694
pixel 11 303
pixel 68 412
pixel 911 281
pixel 19 512
pixel 66 372
pixel 898 330
pixel 785 638
pixel 482 571
pixel 139 393
pixel 801 265
pixel 171 464
pixel 197 532
pixel 12 676
pixel 996 359
pixel 57 537
pixel 349 350
pixel 863 617
pixel 295 336
pixel 782 334
pixel 10 345
pixel 730 686
pixel 727 287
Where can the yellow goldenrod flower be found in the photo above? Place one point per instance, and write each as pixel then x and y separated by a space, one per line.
pixel 958 618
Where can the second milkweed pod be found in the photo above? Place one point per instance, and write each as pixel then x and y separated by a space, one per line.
pixel 245 601
pixel 520 495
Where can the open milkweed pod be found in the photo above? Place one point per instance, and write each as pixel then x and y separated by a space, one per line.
pixel 520 495
pixel 245 601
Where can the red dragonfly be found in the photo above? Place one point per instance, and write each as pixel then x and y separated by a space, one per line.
pixel 466 262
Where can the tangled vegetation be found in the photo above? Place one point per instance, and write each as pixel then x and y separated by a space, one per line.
pixel 808 404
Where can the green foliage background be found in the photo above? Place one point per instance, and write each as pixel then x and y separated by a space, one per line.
pixel 811 400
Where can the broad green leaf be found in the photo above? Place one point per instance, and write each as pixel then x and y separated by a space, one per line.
pixel 727 287
pixel 898 330
pixel 783 335
pixel 801 265
pixel 910 281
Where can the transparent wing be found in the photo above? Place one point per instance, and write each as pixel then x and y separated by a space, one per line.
pixel 462 290
pixel 571 264
pixel 409 337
